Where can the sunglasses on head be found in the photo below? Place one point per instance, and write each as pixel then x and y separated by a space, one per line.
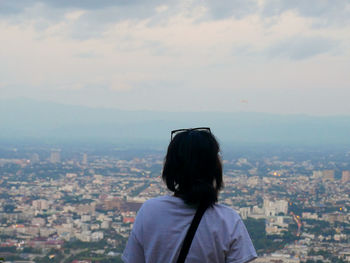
pixel 174 132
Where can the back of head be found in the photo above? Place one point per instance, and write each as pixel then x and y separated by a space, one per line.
pixel 192 167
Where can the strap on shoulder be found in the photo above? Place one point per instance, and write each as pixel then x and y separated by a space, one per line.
pixel 191 232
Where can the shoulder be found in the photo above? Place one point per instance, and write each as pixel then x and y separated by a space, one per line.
pixel 150 211
pixel 158 201
pixel 161 203
pixel 224 217
pixel 226 211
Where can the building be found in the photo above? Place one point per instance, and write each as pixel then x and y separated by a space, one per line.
pixel 328 175
pixel 345 177
pixel 325 175
pixel 40 204
pixel 245 212
pixel 85 159
pixel 55 156
pixel 273 208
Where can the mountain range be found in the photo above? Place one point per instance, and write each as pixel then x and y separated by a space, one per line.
pixel 27 119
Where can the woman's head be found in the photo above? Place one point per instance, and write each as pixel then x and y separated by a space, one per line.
pixel 192 167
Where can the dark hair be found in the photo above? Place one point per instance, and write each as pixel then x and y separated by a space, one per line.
pixel 192 167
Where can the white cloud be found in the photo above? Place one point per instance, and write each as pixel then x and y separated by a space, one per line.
pixel 162 8
pixel 75 15
pixel 216 54
pixel 302 47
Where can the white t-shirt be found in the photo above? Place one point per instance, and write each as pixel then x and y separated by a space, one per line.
pixel 161 226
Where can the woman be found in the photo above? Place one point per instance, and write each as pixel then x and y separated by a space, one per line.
pixel 193 172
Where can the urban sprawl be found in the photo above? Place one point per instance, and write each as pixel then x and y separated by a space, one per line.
pixel 80 208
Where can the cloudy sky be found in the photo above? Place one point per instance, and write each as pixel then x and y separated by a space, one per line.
pixel 276 56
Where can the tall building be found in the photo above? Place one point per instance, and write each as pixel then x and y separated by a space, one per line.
pixel 273 208
pixel 317 174
pixel 244 212
pixel 325 175
pixel 85 159
pixel 40 204
pixel 55 156
pixel 345 177
pixel 328 175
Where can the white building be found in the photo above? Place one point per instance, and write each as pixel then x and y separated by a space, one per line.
pixel 273 208
pixel 40 204
pixel 96 236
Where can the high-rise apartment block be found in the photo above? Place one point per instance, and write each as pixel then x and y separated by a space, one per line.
pixel 55 156
pixel 273 208
pixel 40 204
pixel 85 159
pixel 325 175
pixel 345 177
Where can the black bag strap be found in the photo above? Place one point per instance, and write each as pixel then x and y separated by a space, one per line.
pixel 190 233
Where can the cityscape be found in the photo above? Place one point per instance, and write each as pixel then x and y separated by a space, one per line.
pixel 78 205
pixel 90 92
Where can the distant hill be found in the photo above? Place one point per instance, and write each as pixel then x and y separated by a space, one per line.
pixel 24 119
